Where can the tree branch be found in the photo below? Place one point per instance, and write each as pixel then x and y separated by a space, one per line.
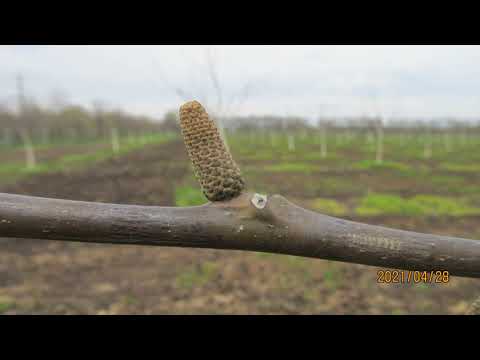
pixel 279 227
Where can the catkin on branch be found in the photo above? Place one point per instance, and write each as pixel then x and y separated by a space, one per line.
pixel 214 167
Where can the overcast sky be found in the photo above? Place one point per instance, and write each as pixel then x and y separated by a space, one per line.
pixel 426 81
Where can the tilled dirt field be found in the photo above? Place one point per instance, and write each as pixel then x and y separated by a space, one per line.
pixel 50 277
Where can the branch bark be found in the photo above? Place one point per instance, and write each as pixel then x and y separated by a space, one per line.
pixel 279 227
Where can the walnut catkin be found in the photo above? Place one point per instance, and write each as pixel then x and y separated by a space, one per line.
pixel 218 174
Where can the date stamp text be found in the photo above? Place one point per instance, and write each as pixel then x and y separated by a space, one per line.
pixel 412 277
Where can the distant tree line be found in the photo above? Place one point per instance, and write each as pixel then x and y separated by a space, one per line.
pixel 74 122
pixel 365 128
pixel 357 124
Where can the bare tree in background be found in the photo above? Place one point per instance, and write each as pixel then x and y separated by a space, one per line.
pixel 379 126
pixel 59 100
pixel 220 104
pixel 115 139
pixel 378 123
pixel 291 142
pixel 428 140
pixel 25 125
pixel 323 124
pixel 98 111
pixel 290 136
pixel 7 135
pixel 447 135
pixel 369 134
